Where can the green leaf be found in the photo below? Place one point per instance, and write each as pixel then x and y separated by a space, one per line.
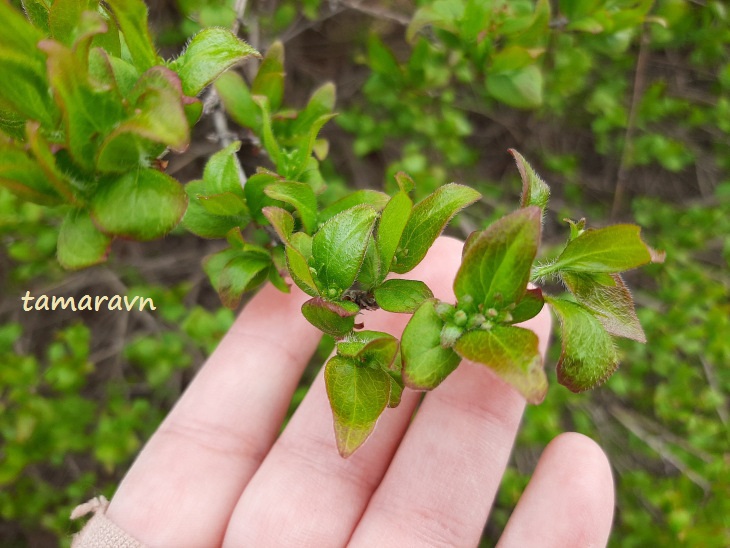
pixel 371 273
pixel 358 395
pixel 529 306
pixel 131 16
pixel 402 295
pixel 89 113
pixel 238 102
pixel 588 356
pixel 339 246
pixel 534 190
pixel 521 88
pixel 244 272
pixel 63 18
pixel 202 223
pixel 512 353
pixel 612 249
pixel 210 53
pixel 428 219
pixel 269 80
pixel 23 176
pixel 396 388
pixel 37 12
pixel 303 152
pixel 405 183
pixel 41 149
pixel 496 267
pixel 371 348
pixel 271 144
pixel 425 362
pixel 301 197
pixel 256 198
pixel 609 299
pixel 80 244
pixel 334 318
pixel 373 198
pixel 24 88
pixel 321 103
pixel 392 223
pixel 297 257
pixel 144 204
pixel 227 204
pixel 221 171
pixel 281 220
pixel 158 116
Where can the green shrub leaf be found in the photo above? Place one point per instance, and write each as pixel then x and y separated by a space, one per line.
pixel 301 197
pixel 521 88
pixel 512 353
pixel 612 249
pixel 371 348
pixel 242 273
pixel 339 246
pixel 237 101
pixel 131 16
pixel 256 198
pixel 334 318
pixel 588 356
pixel 210 53
pixel 609 299
pixel 529 306
pixel 23 176
pixel 281 220
pixel 401 295
pixel 425 362
pixel 373 198
pixel 496 267
pixel 534 190
pixel 200 221
pixel 358 395
pixel 80 244
pixel 297 257
pixel 428 219
pixel 392 223
pixel 269 80
pixel 144 204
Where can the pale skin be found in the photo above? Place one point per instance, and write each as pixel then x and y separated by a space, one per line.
pixel 216 472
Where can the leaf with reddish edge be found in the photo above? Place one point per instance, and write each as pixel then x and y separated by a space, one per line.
pixel 358 395
pixel 298 254
pixel 512 353
pixel 425 362
pixel 610 300
pixel 21 174
pixel 529 306
pixel 588 356
pixel 496 267
pixel 80 243
pixel 281 220
pixel 392 223
pixel 334 318
pixel 301 197
pixel 428 219
pixel 534 190
pixel 244 272
pixel 144 204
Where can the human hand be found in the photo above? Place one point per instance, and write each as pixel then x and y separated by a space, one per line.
pixel 215 472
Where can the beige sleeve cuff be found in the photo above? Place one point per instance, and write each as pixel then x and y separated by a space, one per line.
pixel 100 531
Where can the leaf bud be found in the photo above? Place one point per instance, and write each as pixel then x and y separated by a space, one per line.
pixel 506 317
pixel 444 311
pixel 487 326
pixel 460 318
pixel 475 321
pixel 492 312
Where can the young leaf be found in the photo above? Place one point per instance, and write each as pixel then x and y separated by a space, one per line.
pixel 237 101
pixel 210 53
pixel 334 318
pixel 609 299
pixel 200 221
pixel 358 395
pixel 321 103
pixel 339 246
pixel 271 144
pixel 221 172
pixel 401 295
pixel 24 88
pixel 370 274
pixel 256 198
pixel 588 355
pixel 21 174
pixel 37 13
pixel 299 269
pixel 41 149
pixel 396 388
pixel 356 343
pixel 131 16
pixel 269 80
pixel 244 272
pixel 392 223
pixel 227 204
pixel 611 249
pixel 80 244
pixel 425 362
pixel 534 190
pixel 373 198
pixel 301 197
pixel 521 88
pixel 281 220
pixel 512 353
pixel 498 261
pixel 428 219
pixel 144 204
pixel 529 306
